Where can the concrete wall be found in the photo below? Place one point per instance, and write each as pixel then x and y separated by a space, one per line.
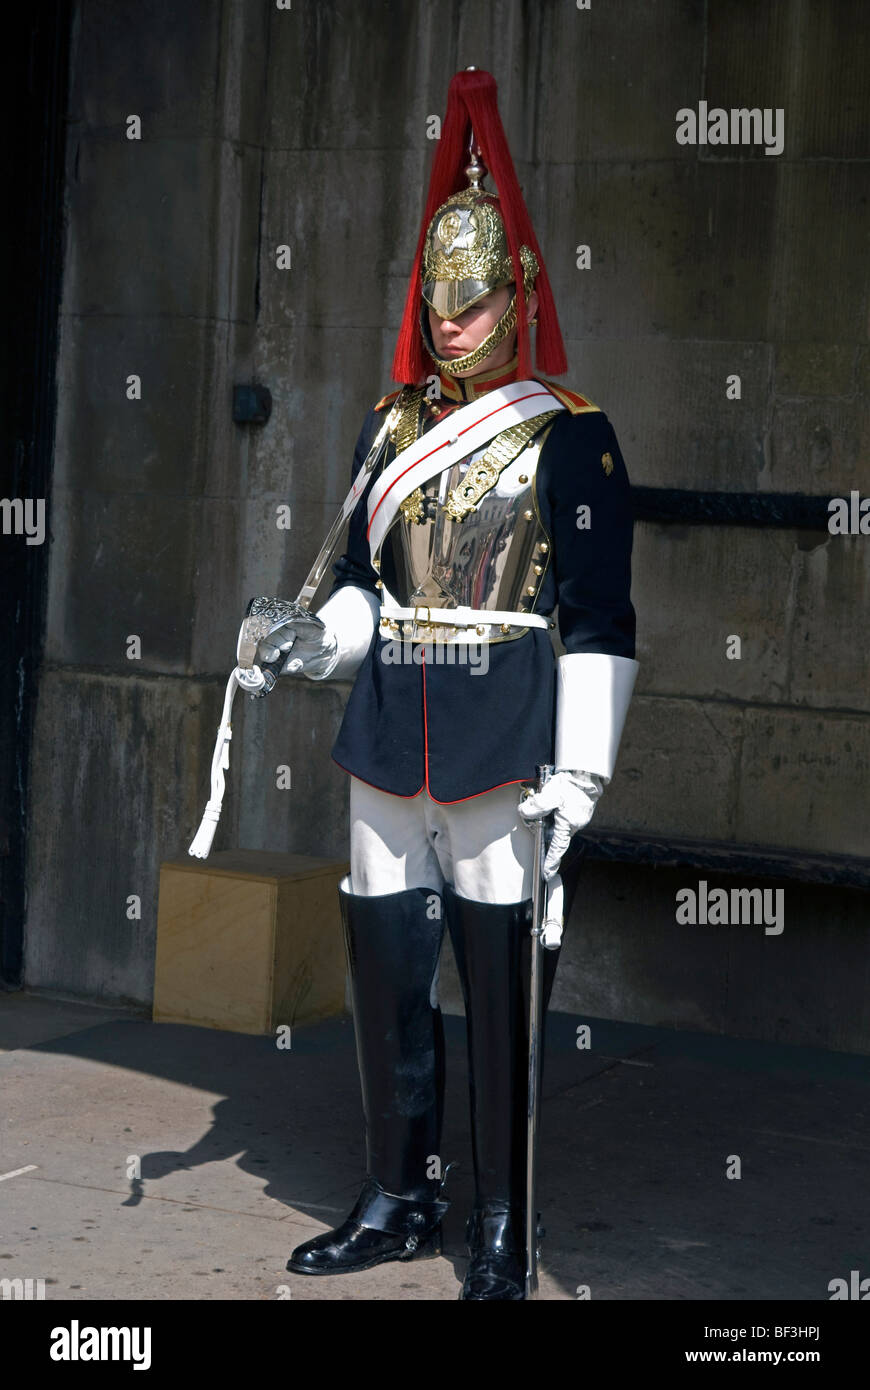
pixel 308 127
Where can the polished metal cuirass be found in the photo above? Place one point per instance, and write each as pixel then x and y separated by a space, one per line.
pixel 494 558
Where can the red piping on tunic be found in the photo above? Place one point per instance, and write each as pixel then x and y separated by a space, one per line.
pixel 409 796
pixel 512 782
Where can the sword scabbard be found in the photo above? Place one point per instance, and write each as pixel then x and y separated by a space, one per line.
pixel 539 912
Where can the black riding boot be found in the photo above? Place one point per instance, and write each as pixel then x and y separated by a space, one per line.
pixel 492 946
pixel 393 944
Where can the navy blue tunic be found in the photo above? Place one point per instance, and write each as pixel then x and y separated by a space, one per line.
pixel 453 729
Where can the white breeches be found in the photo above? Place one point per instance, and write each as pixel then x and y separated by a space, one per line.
pixel 480 847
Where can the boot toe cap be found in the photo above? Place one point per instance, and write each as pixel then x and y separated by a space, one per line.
pixel 322 1253
pixel 495 1279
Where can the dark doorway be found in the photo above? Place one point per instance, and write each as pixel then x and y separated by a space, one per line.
pixel 35 62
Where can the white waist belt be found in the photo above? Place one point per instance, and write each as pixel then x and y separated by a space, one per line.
pixel 462 617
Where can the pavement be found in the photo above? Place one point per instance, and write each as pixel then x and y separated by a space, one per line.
pixel 144 1160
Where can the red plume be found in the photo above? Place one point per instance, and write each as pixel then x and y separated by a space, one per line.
pixel 472 104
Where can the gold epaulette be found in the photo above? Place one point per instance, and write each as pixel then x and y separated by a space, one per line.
pixel 386 400
pixel 577 404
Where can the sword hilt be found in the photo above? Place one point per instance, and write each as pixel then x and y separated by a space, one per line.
pixel 543 773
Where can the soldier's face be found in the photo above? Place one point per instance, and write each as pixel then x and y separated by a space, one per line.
pixel 459 336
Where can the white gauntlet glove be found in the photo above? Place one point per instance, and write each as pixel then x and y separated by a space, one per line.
pixel 572 796
pixel 330 643
pixel 309 647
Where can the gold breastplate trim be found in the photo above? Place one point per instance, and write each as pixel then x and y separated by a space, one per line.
pixel 483 475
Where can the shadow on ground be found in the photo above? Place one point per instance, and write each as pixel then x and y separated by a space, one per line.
pixel 639 1134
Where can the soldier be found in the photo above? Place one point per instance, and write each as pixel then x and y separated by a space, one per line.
pixel 500 496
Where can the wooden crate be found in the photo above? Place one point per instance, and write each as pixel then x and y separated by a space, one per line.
pixel 248 940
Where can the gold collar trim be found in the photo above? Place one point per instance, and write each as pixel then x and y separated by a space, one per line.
pixel 470 388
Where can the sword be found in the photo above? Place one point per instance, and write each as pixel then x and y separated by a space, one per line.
pixel 264 615
pixel 541 935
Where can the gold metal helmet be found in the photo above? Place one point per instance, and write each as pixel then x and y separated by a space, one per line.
pixel 465 257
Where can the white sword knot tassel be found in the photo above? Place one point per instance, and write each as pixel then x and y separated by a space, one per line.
pixel 220 763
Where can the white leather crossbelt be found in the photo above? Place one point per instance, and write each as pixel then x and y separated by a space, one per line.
pixel 456 437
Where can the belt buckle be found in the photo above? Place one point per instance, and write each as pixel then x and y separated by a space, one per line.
pixel 422 622
pixel 412 625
